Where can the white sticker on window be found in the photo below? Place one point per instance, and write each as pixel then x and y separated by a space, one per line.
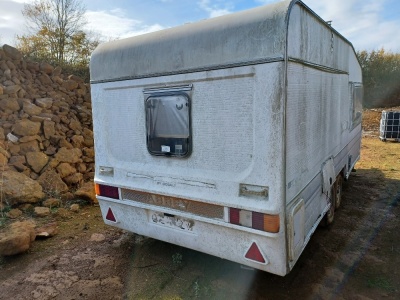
pixel 178 147
pixel 165 148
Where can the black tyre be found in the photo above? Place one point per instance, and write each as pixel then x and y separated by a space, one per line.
pixel 338 186
pixel 330 214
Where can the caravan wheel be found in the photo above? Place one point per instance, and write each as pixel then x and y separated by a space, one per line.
pixel 338 186
pixel 330 214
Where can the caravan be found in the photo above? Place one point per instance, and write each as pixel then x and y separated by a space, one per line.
pixel 231 136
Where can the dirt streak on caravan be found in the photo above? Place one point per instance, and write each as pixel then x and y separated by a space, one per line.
pixel 231 136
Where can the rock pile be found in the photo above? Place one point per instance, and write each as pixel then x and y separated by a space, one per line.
pixel 46 141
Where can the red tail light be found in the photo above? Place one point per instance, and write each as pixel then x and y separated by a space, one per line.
pixel 107 191
pixel 255 220
pixel 234 217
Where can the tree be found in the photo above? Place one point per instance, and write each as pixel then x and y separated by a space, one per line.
pixel 55 33
pixel 381 77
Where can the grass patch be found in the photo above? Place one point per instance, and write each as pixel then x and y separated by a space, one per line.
pixel 380 283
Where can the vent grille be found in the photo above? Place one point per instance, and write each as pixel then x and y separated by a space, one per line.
pixel 183 205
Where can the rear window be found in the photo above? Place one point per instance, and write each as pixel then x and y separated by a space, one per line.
pixel 168 124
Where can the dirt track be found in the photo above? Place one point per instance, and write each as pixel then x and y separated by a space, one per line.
pixel 356 258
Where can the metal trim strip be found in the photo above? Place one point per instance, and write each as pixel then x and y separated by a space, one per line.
pixel 203 69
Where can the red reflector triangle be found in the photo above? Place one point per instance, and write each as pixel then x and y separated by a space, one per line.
pixel 110 216
pixel 255 254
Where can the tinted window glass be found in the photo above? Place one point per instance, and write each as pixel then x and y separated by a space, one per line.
pixel 168 124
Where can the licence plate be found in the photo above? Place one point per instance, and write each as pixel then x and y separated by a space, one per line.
pixel 171 221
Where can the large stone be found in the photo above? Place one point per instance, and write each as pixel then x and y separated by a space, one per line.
pixel 1 90
pixel 52 183
pixel 45 80
pixel 31 109
pixel 52 202
pixel 41 211
pixel 30 138
pixel 77 141
pixel 9 104
pixel 48 129
pixel 12 52
pixel 19 188
pixel 26 127
pixel 73 179
pixel 65 169
pixel 3 160
pixel 75 78
pixel 17 238
pixel 46 68
pixel 75 125
pixel 31 146
pixel 68 155
pixel 47 230
pixel 36 160
pixel 3 136
pixel 57 71
pixel 70 85
pixel 14 213
pixel 87 192
pixel 44 102
pixel 12 89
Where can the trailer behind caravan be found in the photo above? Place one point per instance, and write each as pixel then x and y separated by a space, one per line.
pixel 231 136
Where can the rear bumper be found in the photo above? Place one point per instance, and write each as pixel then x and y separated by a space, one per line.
pixel 214 237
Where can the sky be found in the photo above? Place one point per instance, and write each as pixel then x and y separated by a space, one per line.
pixel 368 24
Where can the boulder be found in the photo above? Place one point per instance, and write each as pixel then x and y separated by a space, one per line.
pixel 51 181
pixel 44 102
pixel 48 129
pixel 87 192
pixel 19 188
pixel 46 231
pixel 30 138
pixel 46 68
pixel 31 146
pixel 9 104
pixel 36 160
pixel 12 52
pixel 26 127
pixel 41 211
pixel 12 89
pixel 52 202
pixel 2 135
pixel 69 85
pixel 73 179
pixel 74 207
pixel 17 238
pixel 68 155
pixel 14 213
pixel 45 80
pixel 31 109
pixel 3 159
pixel 65 169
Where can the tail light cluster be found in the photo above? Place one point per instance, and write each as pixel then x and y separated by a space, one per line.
pixel 255 220
pixel 106 191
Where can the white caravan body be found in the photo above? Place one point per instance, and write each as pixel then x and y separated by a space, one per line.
pixel 227 135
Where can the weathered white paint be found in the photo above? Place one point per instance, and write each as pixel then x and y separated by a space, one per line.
pixel 270 105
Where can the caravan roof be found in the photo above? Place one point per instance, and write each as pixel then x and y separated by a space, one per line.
pixel 248 37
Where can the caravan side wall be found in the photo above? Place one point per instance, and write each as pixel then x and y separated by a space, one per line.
pixel 321 69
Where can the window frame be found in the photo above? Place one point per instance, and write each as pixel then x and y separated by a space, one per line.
pixel 356 104
pixel 188 140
